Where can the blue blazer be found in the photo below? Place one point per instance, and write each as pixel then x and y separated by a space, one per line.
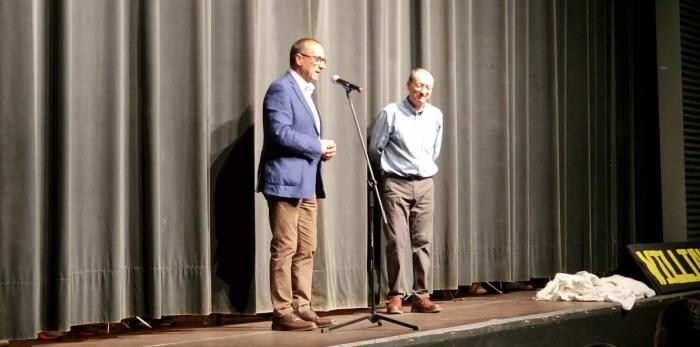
pixel 290 162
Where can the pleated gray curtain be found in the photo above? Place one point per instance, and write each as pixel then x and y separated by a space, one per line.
pixel 130 137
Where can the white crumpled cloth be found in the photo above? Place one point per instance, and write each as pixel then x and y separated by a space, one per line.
pixel 584 286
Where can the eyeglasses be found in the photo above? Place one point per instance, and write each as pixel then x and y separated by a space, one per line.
pixel 421 86
pixel 317 59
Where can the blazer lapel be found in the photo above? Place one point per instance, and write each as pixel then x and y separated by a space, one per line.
pixel 302 99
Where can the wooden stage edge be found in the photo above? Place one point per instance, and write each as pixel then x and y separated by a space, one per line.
pixel 513 319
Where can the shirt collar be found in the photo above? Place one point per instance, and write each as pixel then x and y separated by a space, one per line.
pixel 307 87
pixel 412 109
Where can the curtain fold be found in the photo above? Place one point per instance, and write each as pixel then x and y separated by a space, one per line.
pixel 130 136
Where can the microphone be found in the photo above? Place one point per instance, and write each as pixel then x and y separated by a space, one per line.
pixel 347 85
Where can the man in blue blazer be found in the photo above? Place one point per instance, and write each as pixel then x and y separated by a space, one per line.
pixel 290 178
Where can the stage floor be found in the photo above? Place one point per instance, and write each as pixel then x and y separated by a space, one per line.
pixel 463 314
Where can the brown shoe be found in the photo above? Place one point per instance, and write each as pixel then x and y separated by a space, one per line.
pixel 291 322
pixel 311 316
pixel 424 305
pixel 477 289
pixel 394 305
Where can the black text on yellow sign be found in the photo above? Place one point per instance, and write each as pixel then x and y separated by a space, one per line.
pixel 671 266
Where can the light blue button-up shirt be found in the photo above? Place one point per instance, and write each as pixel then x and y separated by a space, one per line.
pixel 405 142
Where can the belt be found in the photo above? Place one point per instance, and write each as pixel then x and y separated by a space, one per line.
pixel 406 178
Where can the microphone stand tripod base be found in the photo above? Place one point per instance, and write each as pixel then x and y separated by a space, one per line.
pixel 374 318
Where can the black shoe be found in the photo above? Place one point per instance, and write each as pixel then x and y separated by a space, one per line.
pixel 516 286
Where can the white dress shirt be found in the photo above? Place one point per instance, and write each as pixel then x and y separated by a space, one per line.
pixel 307 89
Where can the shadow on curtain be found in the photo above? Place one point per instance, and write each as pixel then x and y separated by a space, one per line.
pixel 233 230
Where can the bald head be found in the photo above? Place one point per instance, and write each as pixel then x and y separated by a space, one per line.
pixel 420 73
pixel 301 46
pixel 307 58
pixel 420 87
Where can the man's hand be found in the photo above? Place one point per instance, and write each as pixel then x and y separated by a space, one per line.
pixel 327 149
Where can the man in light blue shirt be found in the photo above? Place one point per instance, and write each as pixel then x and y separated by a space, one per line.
pixel 405 143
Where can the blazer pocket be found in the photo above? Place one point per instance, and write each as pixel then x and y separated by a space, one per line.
pixel 285 171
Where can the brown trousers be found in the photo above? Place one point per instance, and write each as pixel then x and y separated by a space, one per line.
pixel 293 224
pixel 409 206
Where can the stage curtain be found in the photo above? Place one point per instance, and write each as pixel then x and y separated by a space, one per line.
pixel 130 133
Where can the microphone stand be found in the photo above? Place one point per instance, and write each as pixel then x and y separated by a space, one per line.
pixel 373 316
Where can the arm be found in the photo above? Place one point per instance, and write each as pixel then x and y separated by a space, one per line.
pixel 381 132
pixel 438 139
pixel 280 129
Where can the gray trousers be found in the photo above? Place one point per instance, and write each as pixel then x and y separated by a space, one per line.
pixel 409 206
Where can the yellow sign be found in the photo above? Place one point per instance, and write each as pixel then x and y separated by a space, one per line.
pixel 672 266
